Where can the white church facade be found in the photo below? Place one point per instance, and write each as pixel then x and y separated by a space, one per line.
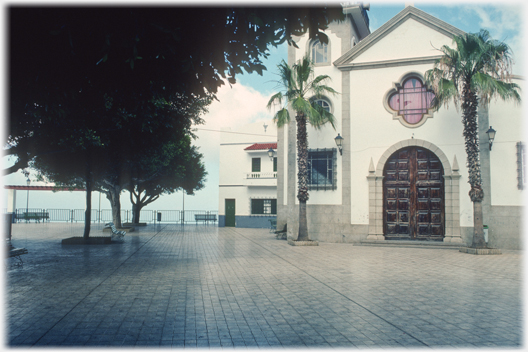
pixel 401 171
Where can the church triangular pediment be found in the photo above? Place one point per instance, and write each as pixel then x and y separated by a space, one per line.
pixel 412 36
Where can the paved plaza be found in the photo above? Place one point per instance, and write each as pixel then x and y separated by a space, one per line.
pixel 209 287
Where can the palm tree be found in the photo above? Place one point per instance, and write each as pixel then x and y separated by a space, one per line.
pixel 300 90
pixel 474 72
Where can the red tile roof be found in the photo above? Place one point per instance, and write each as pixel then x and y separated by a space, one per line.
pixel 262 146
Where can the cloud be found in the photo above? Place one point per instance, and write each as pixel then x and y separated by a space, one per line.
pixel 238 106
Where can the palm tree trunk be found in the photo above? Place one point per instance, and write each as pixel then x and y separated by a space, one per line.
pixel 469 107
pixel 302 176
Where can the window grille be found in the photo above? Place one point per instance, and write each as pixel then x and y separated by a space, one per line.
pixel 263 206
pixel 322 165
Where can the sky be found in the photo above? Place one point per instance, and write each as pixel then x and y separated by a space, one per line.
pixel 245 102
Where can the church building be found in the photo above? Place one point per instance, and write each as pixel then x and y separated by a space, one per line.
pixel 400 173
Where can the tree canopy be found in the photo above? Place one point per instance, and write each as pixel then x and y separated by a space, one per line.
pixel 93 87
pixel 70 64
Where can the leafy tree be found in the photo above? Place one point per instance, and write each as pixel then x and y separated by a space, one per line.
pixel 84 81
pixel 57 54
pixel 175 166
pixel 142 148
pixel 472 73
pixel 108 161
pixel 300 86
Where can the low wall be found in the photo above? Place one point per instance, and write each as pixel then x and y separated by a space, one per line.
pixel 245 221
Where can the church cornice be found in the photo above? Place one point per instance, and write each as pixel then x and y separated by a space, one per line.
pixel 409 12
pixel 389 63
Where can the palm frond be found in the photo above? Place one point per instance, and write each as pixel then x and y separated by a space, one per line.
pixel 319 117
pixel 301 105
pixel 321 90
pixel 299 85
pixel 490 87
pixel 276 99
pixel 282 117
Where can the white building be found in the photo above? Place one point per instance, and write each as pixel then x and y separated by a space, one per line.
pixel 248 176
pixel 402 173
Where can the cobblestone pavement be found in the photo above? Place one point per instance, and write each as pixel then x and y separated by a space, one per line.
pixel 204 286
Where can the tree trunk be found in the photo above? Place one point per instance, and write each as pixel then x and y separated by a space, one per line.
pixel 88 212
pixel 136 211
pixel 139 202
pixel 469 108
pixel 113 194
pixel 302 160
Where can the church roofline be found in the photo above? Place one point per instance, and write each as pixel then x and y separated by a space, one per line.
pixel 389 26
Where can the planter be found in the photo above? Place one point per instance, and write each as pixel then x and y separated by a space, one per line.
pixel 303 243
pixel 480 251
pixel 89 241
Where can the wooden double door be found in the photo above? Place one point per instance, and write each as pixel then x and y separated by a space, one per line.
pixel 413 195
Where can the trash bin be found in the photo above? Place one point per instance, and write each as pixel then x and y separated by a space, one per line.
pixel 486 233
pixel 159 216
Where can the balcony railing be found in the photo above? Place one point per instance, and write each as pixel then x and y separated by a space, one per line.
pixel 261 175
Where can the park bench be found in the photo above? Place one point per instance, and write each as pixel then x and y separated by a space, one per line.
pixel 273 225
pixel 37 216
pixel 117 235
pixel 205 217
pixel 282 235
pixel 13 252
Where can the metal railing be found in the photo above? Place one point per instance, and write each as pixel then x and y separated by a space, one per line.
pixel 105 215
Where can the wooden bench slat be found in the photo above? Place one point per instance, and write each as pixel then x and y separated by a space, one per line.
pixel 205 217
pixel 17 251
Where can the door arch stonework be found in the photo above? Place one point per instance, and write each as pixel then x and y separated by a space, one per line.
pixel 451 191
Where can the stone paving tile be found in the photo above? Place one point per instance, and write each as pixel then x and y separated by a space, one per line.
pixel 208 287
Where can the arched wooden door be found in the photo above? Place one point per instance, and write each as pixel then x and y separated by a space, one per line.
pixel 413 195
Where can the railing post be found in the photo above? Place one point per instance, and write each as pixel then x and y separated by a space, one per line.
pixel 71 216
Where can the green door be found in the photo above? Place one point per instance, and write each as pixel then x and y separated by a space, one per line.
pixel 230 213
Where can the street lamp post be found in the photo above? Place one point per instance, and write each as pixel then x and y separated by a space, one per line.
pixel 28 181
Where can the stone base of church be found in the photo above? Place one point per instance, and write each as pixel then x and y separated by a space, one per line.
pixel 453 239
pixel 376 238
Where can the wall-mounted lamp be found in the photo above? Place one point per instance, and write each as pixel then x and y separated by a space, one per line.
pixel 270 154
pixel 491 136
pixel 339 143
